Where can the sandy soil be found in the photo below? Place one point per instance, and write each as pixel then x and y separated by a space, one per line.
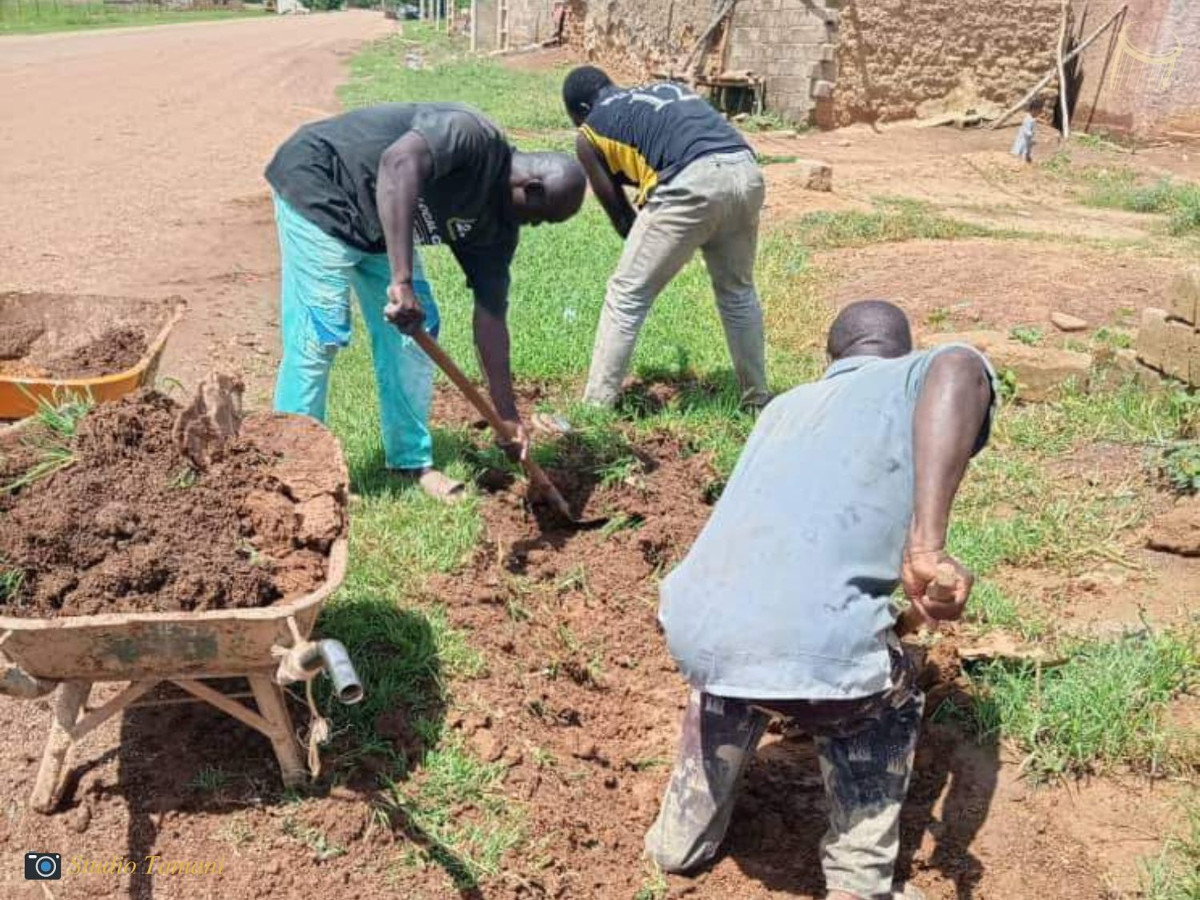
pixel 133 165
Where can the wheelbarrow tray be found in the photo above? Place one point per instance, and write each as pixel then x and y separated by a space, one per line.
pixel 141 645
pixel 19 395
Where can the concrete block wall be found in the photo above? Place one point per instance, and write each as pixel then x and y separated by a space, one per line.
pixel 793 45
pixel 1169 339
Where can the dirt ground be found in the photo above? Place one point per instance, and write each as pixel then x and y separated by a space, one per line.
pixel 161 193
pixel 153 184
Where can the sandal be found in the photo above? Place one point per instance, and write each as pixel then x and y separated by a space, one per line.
pixel 549 423
pixel 434 483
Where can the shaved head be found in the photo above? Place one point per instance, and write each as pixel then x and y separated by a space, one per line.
pixel 546 187
pixel 870 328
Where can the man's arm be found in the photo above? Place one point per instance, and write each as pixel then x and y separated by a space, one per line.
pixel 605 187
pixel 952 407
pixel 404 167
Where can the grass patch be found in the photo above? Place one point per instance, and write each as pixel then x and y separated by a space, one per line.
pixel 456 815
pixel 893 219
pixel 1101 709
pixel 1175 873
pixel 1120 187
pixel 517 99
pixel 36 16
pixel 1181 466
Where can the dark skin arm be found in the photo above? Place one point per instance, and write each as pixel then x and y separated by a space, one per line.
pixel 404 167
pixel 951 409
pixel 605 187
pixel 491 337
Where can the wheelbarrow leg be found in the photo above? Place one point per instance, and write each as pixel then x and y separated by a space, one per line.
pixel 268 696
pixel 47 791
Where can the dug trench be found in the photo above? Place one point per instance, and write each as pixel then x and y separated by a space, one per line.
pixel 578 705
pixel 581 701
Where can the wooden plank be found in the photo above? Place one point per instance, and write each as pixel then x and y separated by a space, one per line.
pixel 1049 76
pixel 101 714
pixel 231 707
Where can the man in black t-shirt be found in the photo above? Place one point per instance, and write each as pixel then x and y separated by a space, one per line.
pixel 352 196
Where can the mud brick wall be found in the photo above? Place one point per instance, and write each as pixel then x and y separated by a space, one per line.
pixel 1142 78
pixel 1169 339
pixel 640 36
pixel 897 58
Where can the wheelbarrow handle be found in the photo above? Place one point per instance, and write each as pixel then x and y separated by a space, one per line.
pixel 540 481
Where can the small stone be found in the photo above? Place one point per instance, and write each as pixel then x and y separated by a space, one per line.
pixel 813 174
pixel 1179 530
pixel 1065 322
pixel 487 746
pixel 81 819
pixel 272 867
pixel 611 782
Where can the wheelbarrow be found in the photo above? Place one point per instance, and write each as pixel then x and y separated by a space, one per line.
pixel 187 649
pixel 73 319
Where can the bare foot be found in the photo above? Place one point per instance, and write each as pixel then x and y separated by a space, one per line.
pixel 436 484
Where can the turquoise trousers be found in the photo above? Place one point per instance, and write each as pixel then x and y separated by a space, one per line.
pixel 318 274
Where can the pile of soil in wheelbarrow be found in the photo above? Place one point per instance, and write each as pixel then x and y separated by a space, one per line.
pixel 68 337
pixel 129 524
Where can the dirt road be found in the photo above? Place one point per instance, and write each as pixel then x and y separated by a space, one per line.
pixel 132 163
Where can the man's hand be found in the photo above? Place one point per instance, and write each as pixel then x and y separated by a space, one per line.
pixel 403 308
pixel 918 573
pixel 516 442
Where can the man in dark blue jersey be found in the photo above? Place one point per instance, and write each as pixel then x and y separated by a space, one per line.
pixel 698 187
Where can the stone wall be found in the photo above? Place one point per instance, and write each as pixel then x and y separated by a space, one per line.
pixel 1142 78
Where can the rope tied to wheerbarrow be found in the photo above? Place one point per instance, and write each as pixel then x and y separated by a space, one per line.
pixel 290 671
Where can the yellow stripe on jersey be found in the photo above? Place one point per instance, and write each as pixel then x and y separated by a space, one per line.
pixel 622 159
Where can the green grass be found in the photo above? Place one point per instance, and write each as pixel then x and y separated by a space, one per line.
pixel 1101 709
pixel 432 813
pixel 1181 466
pixel 36 16
pixel 1121 187
pixel 519 100
pixel 893 219
pixel 1174 874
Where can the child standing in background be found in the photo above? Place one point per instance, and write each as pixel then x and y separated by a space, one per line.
pixel 1023 145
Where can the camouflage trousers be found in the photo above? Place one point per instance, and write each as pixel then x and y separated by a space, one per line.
pixel 866 754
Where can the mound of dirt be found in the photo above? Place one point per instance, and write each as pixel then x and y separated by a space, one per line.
pixel 129 525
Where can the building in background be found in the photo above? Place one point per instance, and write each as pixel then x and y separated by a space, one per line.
pixel 834 62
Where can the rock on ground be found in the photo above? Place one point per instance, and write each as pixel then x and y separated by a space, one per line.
pixel 1040 372
pixel 1179 530
pixel 1065 322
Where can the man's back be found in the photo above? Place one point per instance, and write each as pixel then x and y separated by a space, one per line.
pixel 646 135
pixel 327 171
pixel 786 593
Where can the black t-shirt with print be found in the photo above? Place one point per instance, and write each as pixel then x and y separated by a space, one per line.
pixel 327 172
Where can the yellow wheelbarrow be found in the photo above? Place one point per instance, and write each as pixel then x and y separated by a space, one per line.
pixel 67 321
